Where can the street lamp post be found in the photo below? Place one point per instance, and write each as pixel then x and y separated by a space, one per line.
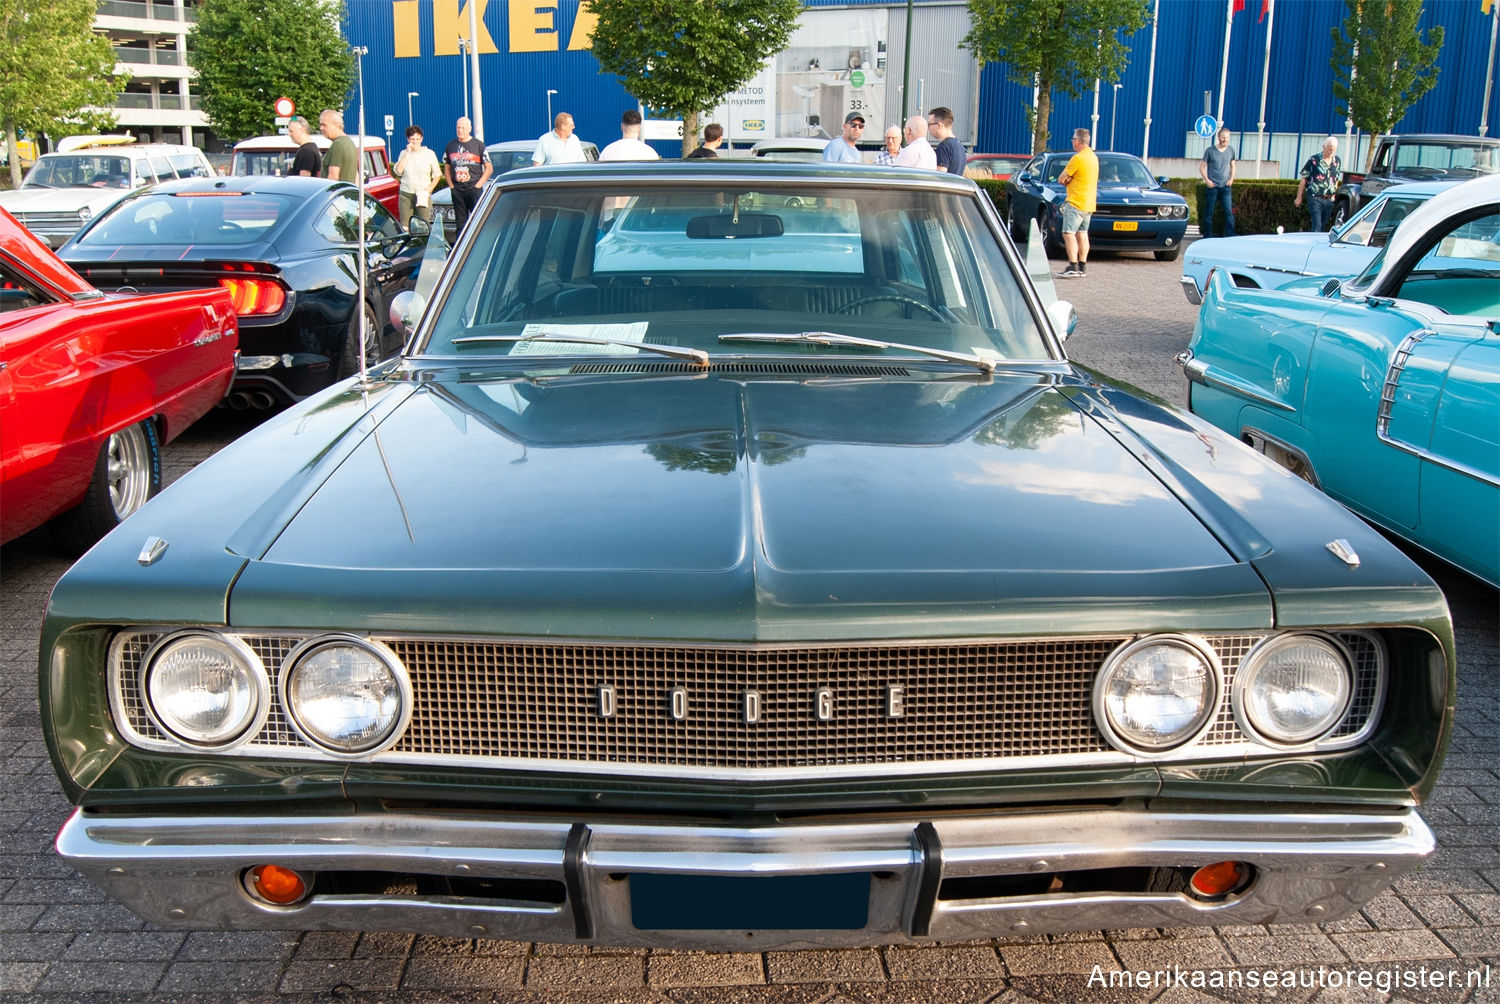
pixel 463 71
pixel 409 95
pixel 1113 104
pixel 550 92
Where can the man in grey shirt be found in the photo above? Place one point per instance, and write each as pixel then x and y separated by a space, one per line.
pixel 1217 170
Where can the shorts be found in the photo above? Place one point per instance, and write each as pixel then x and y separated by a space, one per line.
pixel 1073 220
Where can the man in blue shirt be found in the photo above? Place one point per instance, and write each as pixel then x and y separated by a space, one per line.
pixel 950 152
pixel 841 149
pixel 1217 171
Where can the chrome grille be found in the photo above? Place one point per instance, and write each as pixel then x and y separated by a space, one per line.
pixel 535 703
pixel 50 221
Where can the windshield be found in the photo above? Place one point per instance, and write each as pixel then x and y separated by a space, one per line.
pixel 80 171
pixel 1434 160
pixel 1126 171
pixel 160 219
pixel 682 266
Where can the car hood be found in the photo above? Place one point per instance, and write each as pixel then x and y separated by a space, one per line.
pixel 792 502
pixel 758 508
pixel 1255 249
pixel 1136 194
pixel 59 200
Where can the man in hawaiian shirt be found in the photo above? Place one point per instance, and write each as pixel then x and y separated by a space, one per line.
pixel 1321 177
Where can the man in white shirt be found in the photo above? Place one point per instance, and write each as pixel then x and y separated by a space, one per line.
pixel 918 152
pixel 559 146
pixel 629 146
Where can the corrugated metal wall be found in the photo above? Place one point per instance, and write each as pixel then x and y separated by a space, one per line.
pixel 1189 48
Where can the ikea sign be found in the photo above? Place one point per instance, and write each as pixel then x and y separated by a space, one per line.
pixel 533 26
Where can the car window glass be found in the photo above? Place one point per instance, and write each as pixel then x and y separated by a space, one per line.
pixel 188 166
pixel 79 171
pixel 1460 271
pixel 17 292
pixel 1374 225
pixel 162 168
pixel 1055 167
pixel 156 219
pixel 682 266
pixel 143 173
pixel 1124 171
pixel 379 223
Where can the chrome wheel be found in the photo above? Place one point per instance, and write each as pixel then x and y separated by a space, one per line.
pixel 128 470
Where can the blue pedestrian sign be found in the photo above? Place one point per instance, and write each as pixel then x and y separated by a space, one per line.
pixel 1206 126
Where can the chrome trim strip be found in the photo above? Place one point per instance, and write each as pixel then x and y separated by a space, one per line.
pixel 1198 371
pixel 185 872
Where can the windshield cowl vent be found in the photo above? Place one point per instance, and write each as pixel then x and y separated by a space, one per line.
pixel 742 366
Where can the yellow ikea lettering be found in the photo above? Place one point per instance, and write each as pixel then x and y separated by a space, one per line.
pixel 583 27
pixel 450 22
pixel 531 27
pixel 406 24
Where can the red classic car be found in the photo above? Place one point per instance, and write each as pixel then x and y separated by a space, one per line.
pixel 92 385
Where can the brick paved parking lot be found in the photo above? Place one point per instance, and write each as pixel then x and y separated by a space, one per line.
pixel 62 939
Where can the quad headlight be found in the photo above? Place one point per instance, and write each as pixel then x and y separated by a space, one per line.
pixel 205 690
pixel 1157 694
pixel 1292 689
pixel 347 696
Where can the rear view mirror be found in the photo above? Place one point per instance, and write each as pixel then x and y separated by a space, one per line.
pixel 724 227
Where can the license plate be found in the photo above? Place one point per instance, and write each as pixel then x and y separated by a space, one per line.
pixel 838 902
pixel 1126 225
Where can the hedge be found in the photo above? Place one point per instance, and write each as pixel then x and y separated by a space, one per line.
pixel 1260 206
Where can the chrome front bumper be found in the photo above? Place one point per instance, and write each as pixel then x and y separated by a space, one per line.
pixel 188 872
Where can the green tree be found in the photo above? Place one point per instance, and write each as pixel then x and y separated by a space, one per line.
pixel 682 57
pixel 248 53
pixel 1381 65
pixel 1054 44
pixel 53 68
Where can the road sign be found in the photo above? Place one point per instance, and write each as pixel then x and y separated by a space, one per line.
pixel 1206 126
pixel 661 129
pixel 285 107
pixel 390 123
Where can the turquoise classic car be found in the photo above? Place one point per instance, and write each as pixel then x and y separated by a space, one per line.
pixel 735 558
pixel 1383 390
pixel 1273 260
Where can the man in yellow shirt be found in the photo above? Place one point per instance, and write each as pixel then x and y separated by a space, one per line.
pixel 1081 177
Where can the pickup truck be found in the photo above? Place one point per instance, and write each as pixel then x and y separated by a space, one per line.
pixel 1418 157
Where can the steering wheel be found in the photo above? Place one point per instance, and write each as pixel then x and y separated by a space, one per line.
pixel 891 298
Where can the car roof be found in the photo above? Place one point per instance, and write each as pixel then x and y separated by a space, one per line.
pixel 1419 188
pixel 124 149
pixel 294 185
pixel 1475 193
pixel 741 171
pixel 284 142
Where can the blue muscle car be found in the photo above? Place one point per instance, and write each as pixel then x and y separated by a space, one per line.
pixel 734 557
pixel 1383 390
pixel 1136 212
pixel 1272 260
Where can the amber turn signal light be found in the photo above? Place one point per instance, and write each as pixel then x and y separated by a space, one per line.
pixel 1220 878
pixel 276 884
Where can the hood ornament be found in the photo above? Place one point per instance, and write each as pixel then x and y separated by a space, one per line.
pixel 1344 551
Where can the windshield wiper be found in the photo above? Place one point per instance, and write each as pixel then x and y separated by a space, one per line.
pixel 835 338
pixel 692 355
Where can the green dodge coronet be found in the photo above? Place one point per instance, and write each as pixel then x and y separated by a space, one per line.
pixel 735 558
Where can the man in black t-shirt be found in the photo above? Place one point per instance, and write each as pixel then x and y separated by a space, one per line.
pixel 307 162
pixel 466 169
pixel 950 152
pixel 713 137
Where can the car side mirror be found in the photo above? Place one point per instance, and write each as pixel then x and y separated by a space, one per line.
pixel 418 227
pixel 1024 176
pixel 1162 179
pixel 1063 317
pixel 406 311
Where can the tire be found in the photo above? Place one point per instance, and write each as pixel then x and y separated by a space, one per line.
pixel 126 476
pixel 1017 233
pixel 349 359
pixel 1170 254
pixel 1052 243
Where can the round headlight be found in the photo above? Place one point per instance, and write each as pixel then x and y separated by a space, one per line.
pixel 1292 689
pixel 1157 694
pixel 206 690
pixel 85 214
pixel 348 696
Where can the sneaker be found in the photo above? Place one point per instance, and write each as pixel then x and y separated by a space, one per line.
pixel 1083 269
pixel 1071 272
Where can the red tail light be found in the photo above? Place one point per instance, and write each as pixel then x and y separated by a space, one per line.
pixel 252 297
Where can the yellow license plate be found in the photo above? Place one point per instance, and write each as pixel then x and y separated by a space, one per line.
pixel 1124 225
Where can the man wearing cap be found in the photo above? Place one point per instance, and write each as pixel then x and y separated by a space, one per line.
pixel 841 149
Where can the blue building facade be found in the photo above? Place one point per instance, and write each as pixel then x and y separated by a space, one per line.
pixel 533 57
